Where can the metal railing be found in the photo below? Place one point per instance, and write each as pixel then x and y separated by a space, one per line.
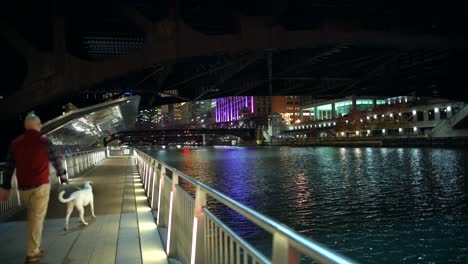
pixel 75 163
pixel 199 236
pixel 14 202
pixel 79 162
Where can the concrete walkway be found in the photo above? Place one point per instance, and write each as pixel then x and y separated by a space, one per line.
pixel 123 231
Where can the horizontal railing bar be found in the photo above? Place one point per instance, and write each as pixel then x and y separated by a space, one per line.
pixel 305 245
pixel 237 238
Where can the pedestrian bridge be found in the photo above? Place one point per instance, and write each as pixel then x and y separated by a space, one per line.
pixel 146 211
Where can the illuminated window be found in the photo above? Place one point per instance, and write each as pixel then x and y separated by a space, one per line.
pixel 343 108
pixel 364 105
pixel 324 112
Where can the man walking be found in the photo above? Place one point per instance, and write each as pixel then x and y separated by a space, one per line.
pixel 30 154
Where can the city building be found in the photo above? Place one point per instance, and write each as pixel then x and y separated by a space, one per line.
pixel 234 107
pixel 287 107
pixel 198 111
pixel 396 116
pixel 149 116
pixel 331 109
pixel 230 108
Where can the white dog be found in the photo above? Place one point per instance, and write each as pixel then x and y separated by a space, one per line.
pixel 79 199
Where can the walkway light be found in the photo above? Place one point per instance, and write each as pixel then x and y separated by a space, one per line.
pixel 414 112
pixel 415 129
pixel 436 110
pixel 346 121
pixel 383 116
pixel 368 118
pixel 391 114
pixel 400 129
pixel 342 134
pixel 361 120
pixel 399 114
pixel 449 108
pixel 383 131
pixel 357 132
pixel 368 131
pixel 375 116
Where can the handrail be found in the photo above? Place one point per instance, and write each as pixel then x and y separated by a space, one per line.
pixel 297 241
pixel 83 152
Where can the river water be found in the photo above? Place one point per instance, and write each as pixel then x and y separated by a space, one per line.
pixel 375 205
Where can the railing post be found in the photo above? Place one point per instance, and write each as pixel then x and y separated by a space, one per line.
pixel 172 208
pixel 198 232
pixel 161 186
pixel 80 162
pixel 151 182
pixel 154 201
pixel 76 163
pixel 148 177
pixel 145 178
pixel 282 251
pixel 72 165
pixel 87 161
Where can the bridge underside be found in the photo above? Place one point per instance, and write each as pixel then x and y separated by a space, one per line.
pixel 121 232
pixel 171 51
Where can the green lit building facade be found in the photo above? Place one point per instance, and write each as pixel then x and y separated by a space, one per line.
pixel 331 109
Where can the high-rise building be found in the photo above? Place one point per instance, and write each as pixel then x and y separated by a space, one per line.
pixel 230 108
pixel 186 112
pixel 233 107
pixel 177 112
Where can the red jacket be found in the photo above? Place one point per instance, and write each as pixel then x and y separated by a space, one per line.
pixel 30 154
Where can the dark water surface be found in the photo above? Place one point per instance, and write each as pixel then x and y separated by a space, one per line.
pixel 375 205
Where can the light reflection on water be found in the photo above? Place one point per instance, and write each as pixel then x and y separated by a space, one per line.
pixel 376 205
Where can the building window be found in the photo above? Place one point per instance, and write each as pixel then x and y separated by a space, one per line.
pixel 420 116
pixel 364 105
pixel 380 102
pixel 443 113
pixel 343 108
pixel 431 114
pixel 324 112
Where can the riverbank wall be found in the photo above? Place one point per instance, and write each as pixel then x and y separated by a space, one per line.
pixel 378 142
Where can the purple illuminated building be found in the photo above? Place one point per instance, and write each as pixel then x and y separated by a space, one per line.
pixel 229 108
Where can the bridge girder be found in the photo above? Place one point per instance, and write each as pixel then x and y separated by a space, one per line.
pixel 58 73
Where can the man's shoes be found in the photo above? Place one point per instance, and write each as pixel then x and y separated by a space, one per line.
pixel 35 258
